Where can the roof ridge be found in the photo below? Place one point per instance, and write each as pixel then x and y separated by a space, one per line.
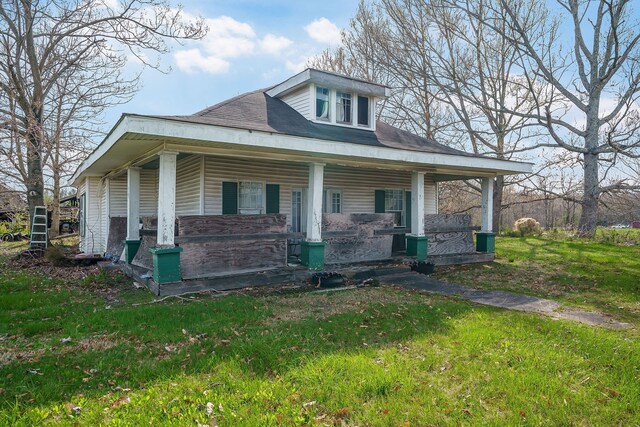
pixel 210 108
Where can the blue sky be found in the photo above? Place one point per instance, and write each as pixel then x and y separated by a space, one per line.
pixel 251 44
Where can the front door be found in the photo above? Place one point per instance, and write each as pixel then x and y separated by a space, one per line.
pixel 397 202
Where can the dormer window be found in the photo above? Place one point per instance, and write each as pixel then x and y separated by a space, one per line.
pixel 363 111
pixel 322 103
pixel 343 108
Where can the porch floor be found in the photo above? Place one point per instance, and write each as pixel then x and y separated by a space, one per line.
pixel 292 274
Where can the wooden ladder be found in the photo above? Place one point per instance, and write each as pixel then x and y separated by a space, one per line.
pixel 39 229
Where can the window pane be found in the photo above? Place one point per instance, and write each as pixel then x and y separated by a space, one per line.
pixel 250 197
pixel 322 103
pixel 296 211
pixel 394 203
pixel 343 107
pixel 336 202
pixel 363 111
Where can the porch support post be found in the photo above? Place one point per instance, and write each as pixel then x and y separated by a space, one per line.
pixel 166 256
pixel 312 249
pixel 417 241
pixel 486 239
pixel 132 242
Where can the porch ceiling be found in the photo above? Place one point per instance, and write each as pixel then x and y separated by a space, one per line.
pixel 135 141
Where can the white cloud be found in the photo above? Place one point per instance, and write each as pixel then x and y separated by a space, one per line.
pixel 227 39
pixel 324 31
pixel 274 45
pixel 192 60
pixel 296 66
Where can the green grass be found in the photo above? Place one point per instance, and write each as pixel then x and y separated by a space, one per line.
pixel 370 356
pixel 592 275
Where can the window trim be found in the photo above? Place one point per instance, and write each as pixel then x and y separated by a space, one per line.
pixel 328 101
pixel 339 106
pixel 369 120
pixel 327 200
pixel 333 107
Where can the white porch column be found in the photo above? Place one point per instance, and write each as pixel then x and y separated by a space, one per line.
pixel 314 202
pixel 417 204
pixel 167 199
pixel 133 203
pixel 487 205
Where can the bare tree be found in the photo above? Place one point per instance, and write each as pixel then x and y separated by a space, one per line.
pixel 453 78
pixel 594 81
pixel 47 44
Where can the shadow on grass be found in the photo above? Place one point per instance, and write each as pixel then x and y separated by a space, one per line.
pixel 130 347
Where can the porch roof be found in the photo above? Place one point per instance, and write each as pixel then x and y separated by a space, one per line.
pixel 258 125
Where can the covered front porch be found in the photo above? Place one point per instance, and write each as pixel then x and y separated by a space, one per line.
pixel 218 216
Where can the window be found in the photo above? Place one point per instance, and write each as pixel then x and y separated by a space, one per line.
pixel 322 103
pixel 331 201
pixel 363 111
pixel 250 198
pixel 394 203
pixel 343 107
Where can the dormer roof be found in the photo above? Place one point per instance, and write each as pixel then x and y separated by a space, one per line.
pixel 330 80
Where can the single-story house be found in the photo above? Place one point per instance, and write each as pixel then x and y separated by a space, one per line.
pixel 299 172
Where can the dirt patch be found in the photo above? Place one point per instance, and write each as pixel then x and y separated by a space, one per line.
pixel 327 304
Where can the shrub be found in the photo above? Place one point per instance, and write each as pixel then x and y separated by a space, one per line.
pixel 527 227
pixel 57 256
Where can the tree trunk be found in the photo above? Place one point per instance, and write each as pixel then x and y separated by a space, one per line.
pixel 498 187
pixel 589 217
pixel 35 180
pixel 55 206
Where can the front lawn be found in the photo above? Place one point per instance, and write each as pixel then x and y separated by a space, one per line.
pixel 369 356
pixel 592 275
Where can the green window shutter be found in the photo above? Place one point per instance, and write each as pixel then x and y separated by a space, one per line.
pixel 380 208
pixel 229 198
pixel 273 198
pixel 407 213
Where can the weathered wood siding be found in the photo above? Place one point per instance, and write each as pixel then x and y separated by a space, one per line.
pixel 360 244
pixel 300 100
pixel 143 257
pixel 117 234
pixel 251 249
pixel 449 234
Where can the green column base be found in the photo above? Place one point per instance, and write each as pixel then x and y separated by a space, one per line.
pixel 486 242
pixel 417 247
pixel 166 264
pixel 131 249
pixel 312 255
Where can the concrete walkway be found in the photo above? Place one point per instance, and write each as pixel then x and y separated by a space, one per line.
pixel 501 299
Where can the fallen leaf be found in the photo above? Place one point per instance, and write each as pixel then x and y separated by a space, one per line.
pixel 210 408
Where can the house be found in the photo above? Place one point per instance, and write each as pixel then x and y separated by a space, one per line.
pixel 301 170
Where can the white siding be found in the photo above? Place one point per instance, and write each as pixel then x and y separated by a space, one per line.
pixel 188 185
pixel 118 196
pixel 149 192
pixel 357 185
pixel 92 242
pixel 430 196
pixel 300 101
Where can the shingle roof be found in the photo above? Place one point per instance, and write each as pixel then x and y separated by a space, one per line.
pixel 261 112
